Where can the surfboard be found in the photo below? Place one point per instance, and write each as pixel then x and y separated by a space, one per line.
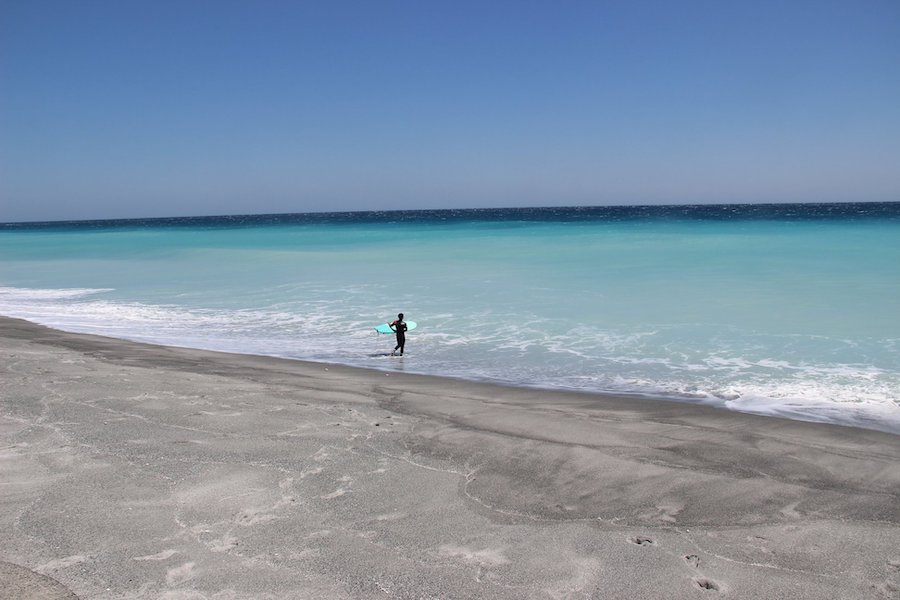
pixel 385 328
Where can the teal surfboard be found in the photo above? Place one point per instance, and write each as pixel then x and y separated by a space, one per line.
pixel 385 328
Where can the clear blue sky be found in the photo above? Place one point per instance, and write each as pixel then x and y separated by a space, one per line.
pixel 122 108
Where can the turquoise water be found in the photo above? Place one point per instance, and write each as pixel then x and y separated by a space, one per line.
pixel 790 310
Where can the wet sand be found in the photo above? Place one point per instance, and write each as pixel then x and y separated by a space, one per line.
pixel 137 471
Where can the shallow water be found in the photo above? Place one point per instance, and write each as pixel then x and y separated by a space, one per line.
pixel 781 309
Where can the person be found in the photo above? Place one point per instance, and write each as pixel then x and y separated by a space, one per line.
pixel 399 327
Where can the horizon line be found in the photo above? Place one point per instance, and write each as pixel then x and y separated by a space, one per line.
pixel 423 211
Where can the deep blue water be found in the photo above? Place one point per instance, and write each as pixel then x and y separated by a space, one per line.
pixel 696 212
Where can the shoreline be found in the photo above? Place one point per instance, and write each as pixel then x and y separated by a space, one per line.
pixel 867 422
pixel 133 470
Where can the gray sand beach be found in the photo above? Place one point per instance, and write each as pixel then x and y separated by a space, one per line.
pixel 136 471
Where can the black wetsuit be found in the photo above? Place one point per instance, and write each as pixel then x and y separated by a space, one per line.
pixel 400 328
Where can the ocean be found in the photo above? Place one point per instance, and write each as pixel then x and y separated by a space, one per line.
pixel 788 309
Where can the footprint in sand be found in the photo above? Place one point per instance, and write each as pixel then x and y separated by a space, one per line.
pixel 707 584
pixel 251 517
pixel 703 583
pixel 642 541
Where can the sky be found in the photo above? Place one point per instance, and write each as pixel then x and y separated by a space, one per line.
pixel 121 108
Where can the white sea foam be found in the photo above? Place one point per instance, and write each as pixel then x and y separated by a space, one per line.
pixel 519 354
pixel 12 295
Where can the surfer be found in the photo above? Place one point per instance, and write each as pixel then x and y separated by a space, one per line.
pixel 399 327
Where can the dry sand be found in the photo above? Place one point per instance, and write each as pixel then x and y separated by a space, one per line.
pixel 138 471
